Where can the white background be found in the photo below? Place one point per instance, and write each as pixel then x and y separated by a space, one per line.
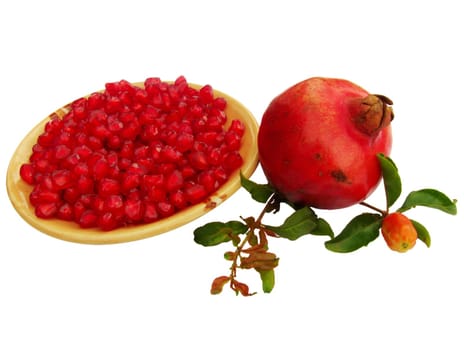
pixel 154 294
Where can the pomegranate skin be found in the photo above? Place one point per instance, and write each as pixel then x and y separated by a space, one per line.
pixel 315 150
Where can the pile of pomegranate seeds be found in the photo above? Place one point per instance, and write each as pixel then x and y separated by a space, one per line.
pixel 131 155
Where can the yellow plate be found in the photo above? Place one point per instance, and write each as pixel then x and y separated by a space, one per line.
pixel 19 191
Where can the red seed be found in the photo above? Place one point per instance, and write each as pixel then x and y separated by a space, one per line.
pixel 96 100
pixel 178 199
pixel 237 127
pixel 65 212
pixel 100 169
pixel 115 204
pixel 165 209
pixel 107 187
pixel 195 193
pixel 107 221
pixel 134 210
pixel 46 210
pixel 170 155
pixel 208 181
pixel 233 161
pixel 220 103
pixel 174 181
pixel 72 194
pixel 78 209
pixel 62 151
pixel 27 173
pixel 130 181
pixel 62 179
pixel 88 219
pixel 233 141
pixel 150 213
pixel 48 196
pixel 198 160
pixel 84 184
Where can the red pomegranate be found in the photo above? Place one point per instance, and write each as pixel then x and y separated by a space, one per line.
pixel 318 142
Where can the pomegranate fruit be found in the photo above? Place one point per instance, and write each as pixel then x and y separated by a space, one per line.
pixel 318 142
pixel 399 232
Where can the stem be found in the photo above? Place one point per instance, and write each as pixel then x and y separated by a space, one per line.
pixel 255 224
pixel 383 212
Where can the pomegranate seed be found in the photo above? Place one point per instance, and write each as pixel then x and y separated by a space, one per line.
pixel 220 174
pixel 233 141
pixel 141 96
pixel 198 160
pixel 232 161
pixel 72 194
pixel 64 138
pixel 220 103
pixel 46 139
pixel 184 142
pixel 100 169
pixel 130 181
pixel 46 210
pixel 165 209
pixel 195 193
pixel 96 101
pixel 132 155
pixel 27 173
pixel 133 208
pixel 208 181
pixel 150 213
pixel 206 94
pixel 94 143
pixel 62 179
pixel 88 219
pixel 237 127
pixel 84 184
pixel 47 196
pixel 178 199
pixel 61 152
pixel 114 204
pixel 170 155
pixel 71 161
pixel 65 212
pixel 214 156
pixel 174 181
pixel 83 151
pixel 107 187
pixel 188 172
pixel 78 209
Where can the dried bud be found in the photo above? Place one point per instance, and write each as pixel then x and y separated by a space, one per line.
pixel 241 288
pixel 218 284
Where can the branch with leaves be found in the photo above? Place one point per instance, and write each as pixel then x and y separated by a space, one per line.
pixel 249 236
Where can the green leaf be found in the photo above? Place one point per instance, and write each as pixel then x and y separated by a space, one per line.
pixel 359 232
pixel 302 222
pixel 391 179
pixel 422 233
pixel 259 192
pixel 323 229
pixel 215 233
pixel 267 280
pixel 429 198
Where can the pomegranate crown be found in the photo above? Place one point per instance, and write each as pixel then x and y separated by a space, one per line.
pixel 373 113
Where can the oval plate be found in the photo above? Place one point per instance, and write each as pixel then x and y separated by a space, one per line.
pixel 19 191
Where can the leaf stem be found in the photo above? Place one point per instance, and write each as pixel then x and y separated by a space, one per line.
pixel 383 212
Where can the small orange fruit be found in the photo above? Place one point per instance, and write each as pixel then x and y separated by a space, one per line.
pixel 399 232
